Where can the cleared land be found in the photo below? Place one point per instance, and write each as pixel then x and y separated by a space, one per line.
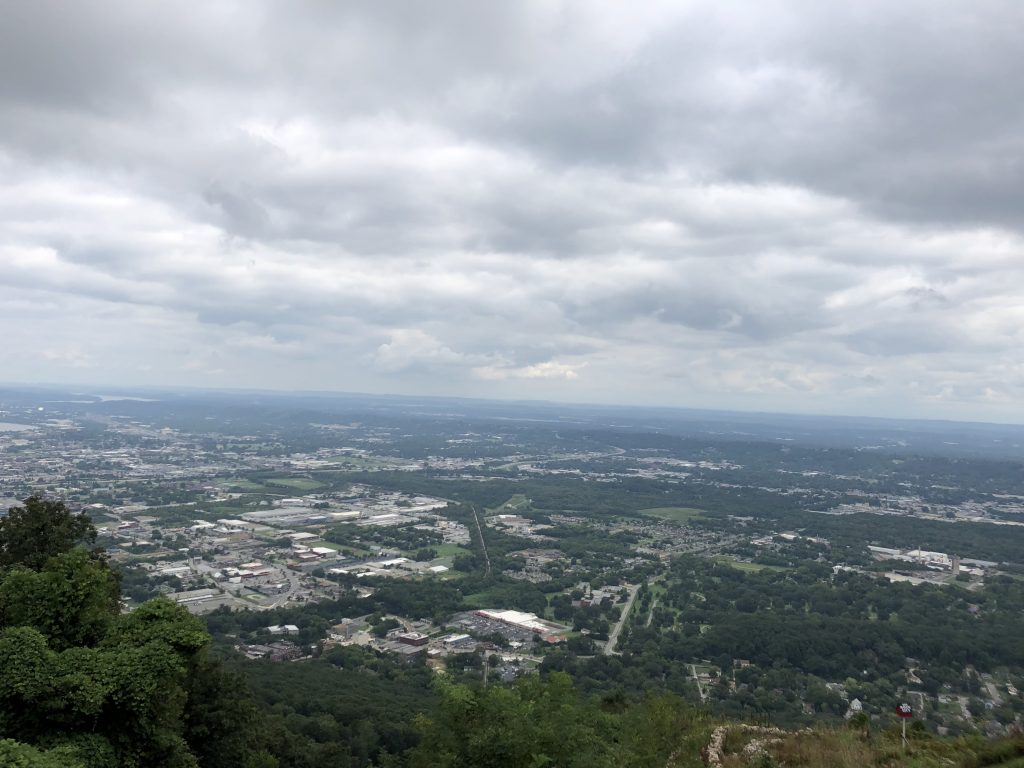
pixel 362 462
pixel 296 483
pixel 678 514
pixel 518 503
pixel 450 550
pixel 749 567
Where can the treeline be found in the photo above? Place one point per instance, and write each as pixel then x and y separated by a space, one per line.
pixel 625 496
pixel 834 627
pixel 351 707
pixel 982 541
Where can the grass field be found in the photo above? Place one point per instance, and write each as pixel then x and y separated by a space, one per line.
pixel 450 550
pixel 477 600
pixel 240 484
pixel 749 567
pixel 518 503
pixel 227 510
pixel 361 462
pixel 657 589
pixel 446 556
pixel 295 483
pixel 489 598
pixel 677 514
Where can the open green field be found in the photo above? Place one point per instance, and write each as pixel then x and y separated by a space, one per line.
pixel 749 567
pixel 361 462
pixel 446 555
pixel 477 600
pixel 229 508
pixel 445 552
pixel 507 467
pixel 518 503
pixel 241 484
pixel 295 483
pixel 450 550
pixel 677 514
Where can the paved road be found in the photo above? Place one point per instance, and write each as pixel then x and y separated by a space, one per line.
pixel 700 688
pixel 613 638
pixel 293 586
pixel 650 614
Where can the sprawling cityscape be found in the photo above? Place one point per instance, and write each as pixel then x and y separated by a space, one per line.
pixel 450 535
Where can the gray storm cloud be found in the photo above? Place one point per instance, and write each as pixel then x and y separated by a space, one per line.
pixel 780 205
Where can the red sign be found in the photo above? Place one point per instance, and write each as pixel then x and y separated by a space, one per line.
pixel 904 710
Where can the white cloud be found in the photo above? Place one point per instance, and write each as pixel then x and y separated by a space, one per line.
pixel 547 370
pixel 694 203
pixel 410 347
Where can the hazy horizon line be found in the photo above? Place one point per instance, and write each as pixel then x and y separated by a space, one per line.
pixel 179 388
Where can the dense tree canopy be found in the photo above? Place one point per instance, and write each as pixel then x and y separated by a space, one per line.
pixel 83 685
pixel 545 722
pixel 39 529
pixel 14 754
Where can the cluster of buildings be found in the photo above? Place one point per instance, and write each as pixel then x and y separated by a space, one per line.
pixel 519 526
pixel 472 632
pixel 274 554
pixel 519 627
pixel 1004 509
pixel 934 561
pixel 390 567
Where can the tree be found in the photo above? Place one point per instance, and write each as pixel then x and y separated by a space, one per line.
pixel 656 727
pixel 72 601
pixel 14 754
pixel 120 703
pixel 32 534
pixel 99 689
pixel 534 723
pixel 221 717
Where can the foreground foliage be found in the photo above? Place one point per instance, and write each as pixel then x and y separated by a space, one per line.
pixel 540 722
pixel 83 685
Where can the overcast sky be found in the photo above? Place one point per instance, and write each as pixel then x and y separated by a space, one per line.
pixel 798 206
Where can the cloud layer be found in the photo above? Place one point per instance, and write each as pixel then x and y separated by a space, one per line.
pixel 780 205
